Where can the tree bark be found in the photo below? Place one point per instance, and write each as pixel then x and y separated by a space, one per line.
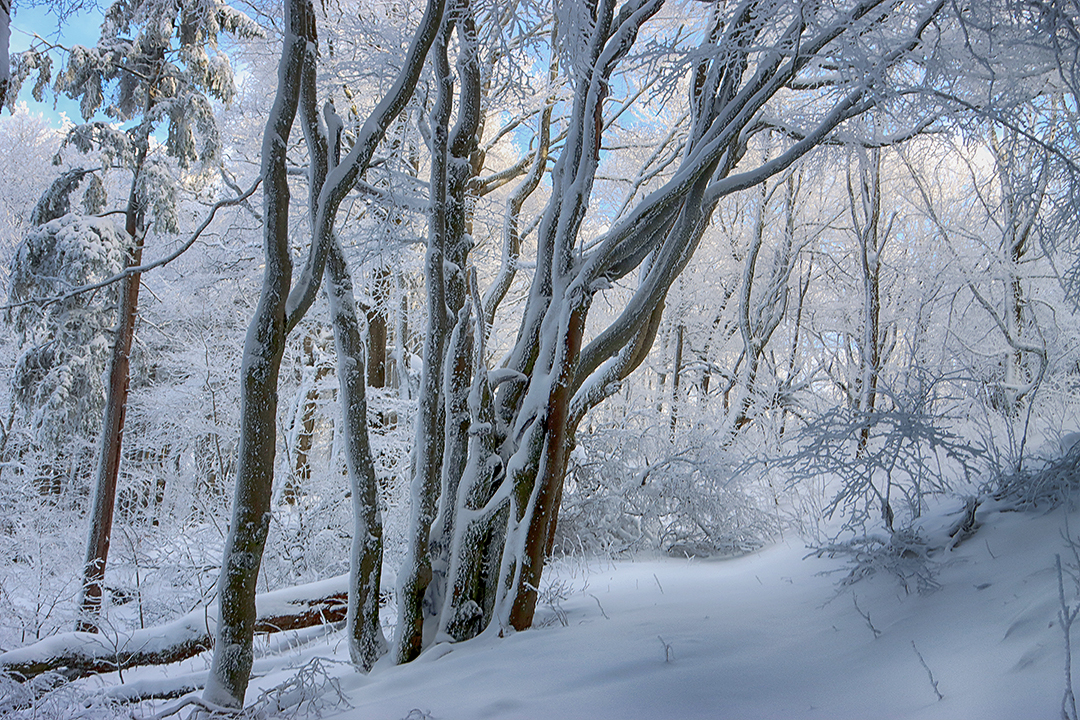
pixel 366 641
pixel 5 40
pixel 428 449
pixel 281 308
pixel 110 444
pixel 233 654
pixel 676 368
pixel 540 511
pixel 378 327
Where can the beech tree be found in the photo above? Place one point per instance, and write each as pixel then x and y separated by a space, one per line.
pixel 282 304
pixel 493 434
pixel 871 232
pixel 492 442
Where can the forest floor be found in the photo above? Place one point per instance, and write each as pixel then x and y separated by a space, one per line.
pixel 772 634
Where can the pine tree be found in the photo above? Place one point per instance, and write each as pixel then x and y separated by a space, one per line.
pixel 156 66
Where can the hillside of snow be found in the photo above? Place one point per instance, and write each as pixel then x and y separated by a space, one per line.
pixel 773 634
pixel 768 635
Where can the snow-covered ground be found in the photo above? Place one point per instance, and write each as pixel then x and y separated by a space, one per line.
pixel 767 635
pixel 761 636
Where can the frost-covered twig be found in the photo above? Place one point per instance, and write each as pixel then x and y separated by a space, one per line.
pixel 904 554
pixel 599 606
pixel 933 682
pixel 51 696
pixel 1066 615
pixel 311 690
pixel 187 701
pixel 865 616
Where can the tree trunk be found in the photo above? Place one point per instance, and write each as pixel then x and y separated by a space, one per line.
pixel 5 40
pixel 865 208
pixel 676 368
pixel 448 362
pixel 378 327
pixel 750 329
pixel 540 511
pixel 110 444
pixel 280 308
pixel 366 641
pixel 304 423
pixel 233 655
pixel 429 445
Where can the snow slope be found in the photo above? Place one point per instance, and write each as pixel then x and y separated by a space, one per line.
pixel 761 636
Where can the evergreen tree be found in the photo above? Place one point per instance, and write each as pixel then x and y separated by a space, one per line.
pixel 156 66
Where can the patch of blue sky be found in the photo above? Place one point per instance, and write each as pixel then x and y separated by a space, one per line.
pixel 33 23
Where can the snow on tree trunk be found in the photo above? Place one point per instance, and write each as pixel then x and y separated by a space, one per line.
pixel 865 210
pixel 366 641
pixel 428 449
pixel 442 436
pixel 231 666
pixel 280 309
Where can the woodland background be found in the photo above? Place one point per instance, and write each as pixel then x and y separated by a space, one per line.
pixel 871 305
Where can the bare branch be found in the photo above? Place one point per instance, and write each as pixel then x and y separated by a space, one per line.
pixel 139 269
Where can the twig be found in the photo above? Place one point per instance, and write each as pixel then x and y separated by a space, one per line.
pixel 658 583
pixel 192 699
pixel 933 682
pixel 865 616
pixel 669 652
pixel 1066 616
pixel 599 606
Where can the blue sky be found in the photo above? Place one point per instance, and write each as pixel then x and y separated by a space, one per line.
pixel 80 29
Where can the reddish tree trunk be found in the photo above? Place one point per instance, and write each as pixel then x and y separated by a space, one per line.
pixel 112 430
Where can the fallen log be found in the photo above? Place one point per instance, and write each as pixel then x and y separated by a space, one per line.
pixel 78 654
pixel 157 689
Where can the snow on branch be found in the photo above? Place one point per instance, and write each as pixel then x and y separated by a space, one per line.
pixel 81 653
pixel 139 269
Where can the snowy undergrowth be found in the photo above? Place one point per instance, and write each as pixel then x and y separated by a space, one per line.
pixel 767 634
pixel 630 489
pixel 1045 483
pixel 775 603
pixel 50 697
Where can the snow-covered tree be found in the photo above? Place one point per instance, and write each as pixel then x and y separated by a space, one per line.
pixel 155 65
pixel 488 481
pixel 332 175
pixel 63 345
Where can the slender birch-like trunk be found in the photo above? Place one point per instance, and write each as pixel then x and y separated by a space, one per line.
pixel 233 654
pixel 366 641
pixel 281 306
